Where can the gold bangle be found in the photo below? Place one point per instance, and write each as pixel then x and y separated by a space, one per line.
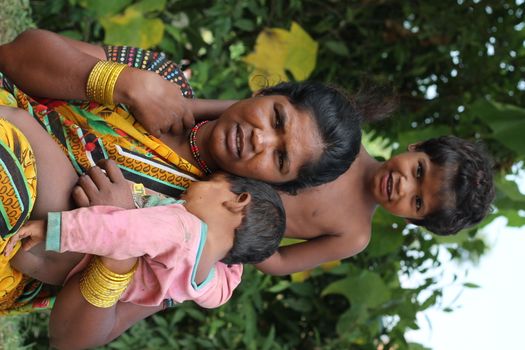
pixel 102 287
pixel 112 81
pixel 92 80
pixel 102 80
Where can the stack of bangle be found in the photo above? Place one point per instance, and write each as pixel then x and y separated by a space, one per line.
pixel 102 80
pixel 102 287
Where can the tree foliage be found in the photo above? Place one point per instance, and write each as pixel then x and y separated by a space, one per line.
pixel 458 67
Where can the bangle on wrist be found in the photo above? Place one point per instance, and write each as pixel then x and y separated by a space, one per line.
pixel 100 86
pixel 102 287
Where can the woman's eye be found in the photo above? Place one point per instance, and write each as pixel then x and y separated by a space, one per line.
pixel 278 120
pixel 280 159
pixel 419 170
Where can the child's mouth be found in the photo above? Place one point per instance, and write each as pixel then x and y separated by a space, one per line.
pixel 389 185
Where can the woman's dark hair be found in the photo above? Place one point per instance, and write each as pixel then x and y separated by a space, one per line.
pixel 262 226
pixel 468 183
pixel 338 118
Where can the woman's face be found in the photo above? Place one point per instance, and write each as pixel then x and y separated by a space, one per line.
pixel 265 138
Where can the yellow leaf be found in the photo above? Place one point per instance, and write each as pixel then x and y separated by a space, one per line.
pixel 327 266
pixel 277 50
pixel 298 277
pixel 302 53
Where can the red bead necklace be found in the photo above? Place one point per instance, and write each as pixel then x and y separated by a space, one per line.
pixel 195 149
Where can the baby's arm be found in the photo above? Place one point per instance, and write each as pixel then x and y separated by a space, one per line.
pixel 310 254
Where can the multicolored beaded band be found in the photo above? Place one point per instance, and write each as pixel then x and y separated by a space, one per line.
pixel 195 149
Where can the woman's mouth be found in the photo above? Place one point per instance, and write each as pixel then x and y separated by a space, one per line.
pixel 236 141
pixel 240 141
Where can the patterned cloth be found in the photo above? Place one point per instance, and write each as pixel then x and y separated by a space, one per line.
pixel 88 132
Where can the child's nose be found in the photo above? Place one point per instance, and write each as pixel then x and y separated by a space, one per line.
pixel 406 186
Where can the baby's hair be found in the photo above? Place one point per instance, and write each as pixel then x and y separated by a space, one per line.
pixel 263 223
pixel 338 117
pixel 468 177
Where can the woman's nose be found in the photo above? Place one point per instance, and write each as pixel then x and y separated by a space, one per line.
pixel 262 140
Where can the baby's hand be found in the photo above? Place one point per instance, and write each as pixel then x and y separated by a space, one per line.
pixel 33 233
pixel 99 188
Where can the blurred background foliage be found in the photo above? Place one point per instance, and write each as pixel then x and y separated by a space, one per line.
pixel 458 68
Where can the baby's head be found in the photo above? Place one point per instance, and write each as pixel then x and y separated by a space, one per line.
pixel 256 204
pixel 263 223
pixel 443 184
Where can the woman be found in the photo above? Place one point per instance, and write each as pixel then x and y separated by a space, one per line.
pixel 292 135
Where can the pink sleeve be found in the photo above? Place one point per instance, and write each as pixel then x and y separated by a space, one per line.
pixel 119 234
pixel 219 289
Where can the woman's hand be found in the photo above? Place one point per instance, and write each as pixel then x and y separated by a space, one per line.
pixel 156 103
pixel 103 184
pixel 33 233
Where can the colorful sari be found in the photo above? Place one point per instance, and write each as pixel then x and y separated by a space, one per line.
pixel 87 132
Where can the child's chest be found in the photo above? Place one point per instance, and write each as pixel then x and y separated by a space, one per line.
pixel 322 211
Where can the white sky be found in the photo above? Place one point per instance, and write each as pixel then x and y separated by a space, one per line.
pixel 490 317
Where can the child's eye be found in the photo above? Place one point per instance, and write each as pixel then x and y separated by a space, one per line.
pixel 419 170
pixel 419 203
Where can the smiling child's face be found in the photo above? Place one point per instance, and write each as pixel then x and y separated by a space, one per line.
pixel 265 138
pixel 409 185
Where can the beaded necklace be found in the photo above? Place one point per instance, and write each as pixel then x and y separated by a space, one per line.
pixel 195 149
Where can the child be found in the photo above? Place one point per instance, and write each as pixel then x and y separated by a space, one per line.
pixel 183 247
pixel 444 184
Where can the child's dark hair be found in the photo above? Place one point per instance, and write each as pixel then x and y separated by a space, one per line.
pixel 263 224
pixel 338 118
pixel 467 176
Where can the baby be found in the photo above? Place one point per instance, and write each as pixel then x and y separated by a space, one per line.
pixel 191 249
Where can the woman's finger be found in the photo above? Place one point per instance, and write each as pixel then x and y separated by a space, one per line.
pixel 14 240
pixel 87 184
pixel 80 197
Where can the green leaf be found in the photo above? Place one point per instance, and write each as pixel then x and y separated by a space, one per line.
pixel 244 24
pixel 470 285
pixel 506 121
pixel 351 318
pixel 366 288
pixel 337 47
pixel 132 28
pixel 510 189
pixel 103 8
pixel 145 6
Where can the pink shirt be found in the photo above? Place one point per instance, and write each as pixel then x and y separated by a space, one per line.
pixel 168 239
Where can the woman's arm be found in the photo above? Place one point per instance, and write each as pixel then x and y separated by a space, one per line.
pixel 310 254
pixel 76 324
pixel 48 65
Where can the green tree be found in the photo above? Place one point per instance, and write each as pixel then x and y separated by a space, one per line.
pixel 458 67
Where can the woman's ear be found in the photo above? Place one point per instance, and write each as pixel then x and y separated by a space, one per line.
pixel 257 93
pixel 238 204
